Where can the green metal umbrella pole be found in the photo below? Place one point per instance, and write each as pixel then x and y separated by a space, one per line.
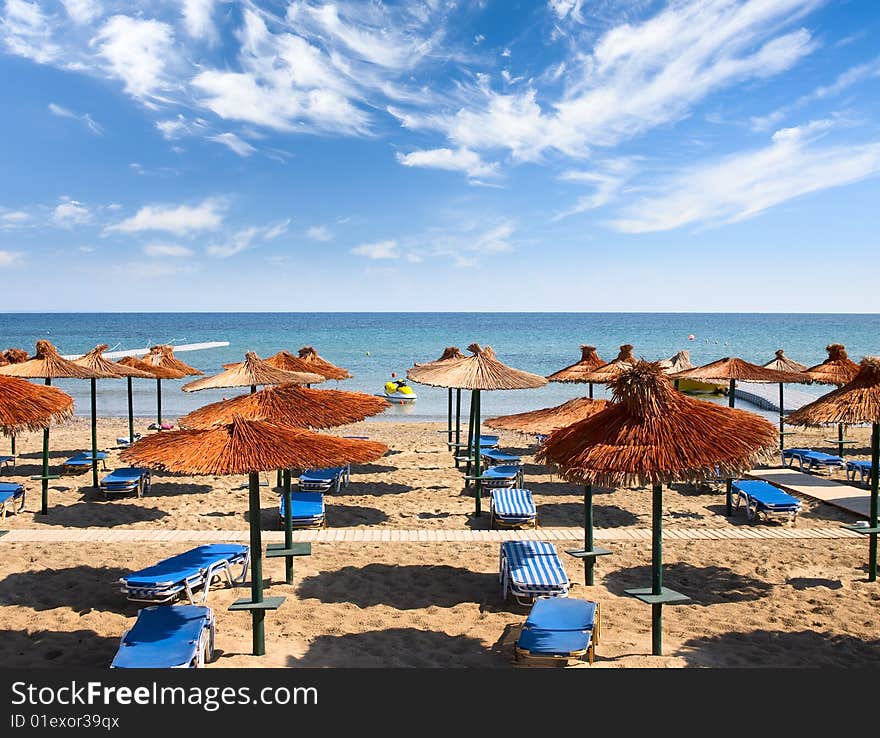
pixel 477 455
pixel 840 439
pixel 781 416
pixel 159 403
pixel 589 552
pixel 130 411
pixel 457 423
pixel 44 482
pixel 470 444
pixel 258 614
pixel 94 390
pixel 875 468
pixel 449 415
pixel 728 483
pixel 288 526
pixel 657 569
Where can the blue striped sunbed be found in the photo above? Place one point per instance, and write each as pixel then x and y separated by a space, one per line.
pixel 323 480
pixel 306 510
pixel 494 457
pixel 862 468
pixel 186 572
pixel 502 476
pixel 812 460
pixel 11 493
pixel 529 569
pixel 512 507
pixel 177 637
pixel 559 629
pixel 762 498
pixel 84 460
pixel 127 479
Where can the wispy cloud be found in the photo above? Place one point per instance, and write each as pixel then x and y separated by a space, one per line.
pixel 319 233
pixel 178 219
pixel 63 112
pixel 137 52
pixel 10 258
pixel 234 244
pixel 82 11
pixel 745 184
pixel 233 143
pixel 11 220
pixel 172 250
pixel 197 19
pixel 378 250
pixel 459 160
pixel 71 213
pixel 26 31
pixel 606 180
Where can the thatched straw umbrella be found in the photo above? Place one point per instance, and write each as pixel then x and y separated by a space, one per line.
pixel 46 364
pixel 837 369
pixel 322 366
pixel 13 356
pixel 287 404
pixel 253 371
pixel 782 363
pixel 155 372
pixel 653 435
pixel 27 408
pixel 605 373
pixel 677 363
pixel 548 419
pixel 450 353
pixel 249 447
pixel 481 371
pixel 858 401
pixel 162 356
pixel 577 372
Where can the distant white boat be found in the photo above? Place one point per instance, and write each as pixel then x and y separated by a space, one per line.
pixel 144 351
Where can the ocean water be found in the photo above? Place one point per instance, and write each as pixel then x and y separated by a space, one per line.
pixel 373 345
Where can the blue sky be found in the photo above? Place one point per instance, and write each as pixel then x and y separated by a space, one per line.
pixel 693 155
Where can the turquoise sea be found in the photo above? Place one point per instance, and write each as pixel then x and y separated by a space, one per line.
pixel 372 345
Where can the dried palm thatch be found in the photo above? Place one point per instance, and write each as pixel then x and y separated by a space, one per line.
pixel 27 407
pixel 605 373
pixel 733 368
pixel 783 364
pixel 245 446
pixel 163 355
pixel 576 372
pixel 13 356
pixel 481 371
pixel 548 419
pixel 450 353
pixel 858 401
pixel 285 361
pixel 107 369
pixel 46 364
pixel 837 369
pixel 151 370
pixel 677 363
pixel 251 372
pixel 322 366
pixel 288 404
pixel 651 434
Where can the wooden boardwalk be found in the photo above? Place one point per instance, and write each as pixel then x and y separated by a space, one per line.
pixel 389 535
pixel 831 491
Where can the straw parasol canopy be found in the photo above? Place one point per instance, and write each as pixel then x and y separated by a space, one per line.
pixel 322 366
pixel 163 355
pixel 651 434
pixel 27 407
pixel 783 364
pixel 858 401
pixel 286 361
pixel 837 369
pixel 550 419
pixel 577 372
pixel 728 368
pixel 677 363
pixel 13 356
pixel 152 371
pixel 480 371
pixel 450 354
pixel 251 372
pixel 288 404
pixel 157 364
pixel 46 363
pixel 605 373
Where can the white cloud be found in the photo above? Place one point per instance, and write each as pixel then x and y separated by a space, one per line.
pixel 233 143
pixel 26 32
pixel 274 231
pixel 166 249
pixel 607 180
pixel 137 52
pixel 197 18
pixel 82 11
pixel 179 219
pixel 180 126
pixel 10 219
pixel 459 160
pixel 745 184
pixel 235 244
pixel 378 250
pixel 319 233
pixel 63 112
pixel 71 213
pixel 9 258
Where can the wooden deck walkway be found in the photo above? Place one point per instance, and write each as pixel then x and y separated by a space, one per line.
pixel 389 535
pixel 831 491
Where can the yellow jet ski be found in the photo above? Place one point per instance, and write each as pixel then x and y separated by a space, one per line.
pixel 399 391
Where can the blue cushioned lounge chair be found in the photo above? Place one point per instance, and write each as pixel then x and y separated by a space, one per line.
pixel 530 569
pixel 184 573
pixel 177 637
pixel 502 476
pixel 512 507
pixel 324 480
pixel 11 498
pixel 762 498
pixel 7 460
pixel 494 457
pixel 306 510
pixel 83 461
pixel 559 629
pixel 127 479
pixel 860 468
pixel 809 460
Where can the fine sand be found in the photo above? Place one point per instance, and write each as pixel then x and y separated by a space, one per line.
pixel 755 603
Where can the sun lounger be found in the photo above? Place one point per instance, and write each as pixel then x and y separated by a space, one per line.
pixel 306 510
pixel 177 637
pixel 512 507
pixel 494 457
pixel 11 494
pixel 83 461
pixel 530 569
pixel 762 498
pixel 127 479
pixel 184 573
pixel 125 441
pixel 812 460
pixel 862 468
pixel 559 629
pixel 502 476
pixel 7 460
pixel 488 441
pixel 323 480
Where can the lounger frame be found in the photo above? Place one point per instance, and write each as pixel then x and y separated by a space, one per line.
pixel 811 460
pixel 522 654
pixel 141 486
pixel 203 651
pixel 9 504
pixel 755 508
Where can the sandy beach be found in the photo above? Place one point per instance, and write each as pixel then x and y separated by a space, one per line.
pixel 756 603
